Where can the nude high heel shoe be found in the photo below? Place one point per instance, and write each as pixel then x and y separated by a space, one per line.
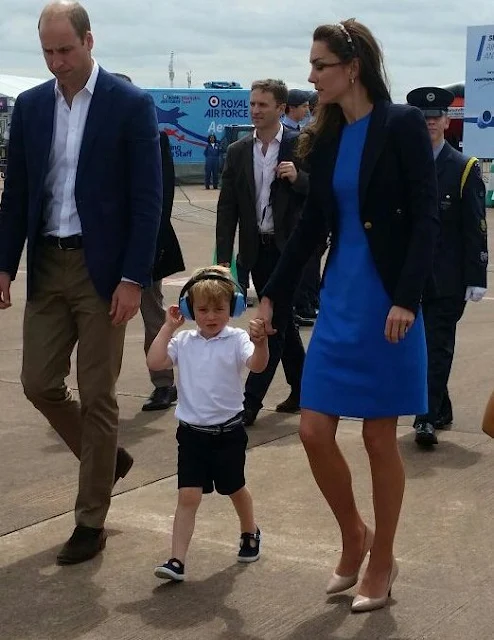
pixel 363 603
pixel 338 583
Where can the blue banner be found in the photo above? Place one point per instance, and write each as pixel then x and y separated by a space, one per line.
pixel 189 116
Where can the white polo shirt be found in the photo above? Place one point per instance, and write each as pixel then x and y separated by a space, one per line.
pixel 210 384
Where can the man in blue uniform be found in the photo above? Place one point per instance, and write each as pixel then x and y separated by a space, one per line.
pixel 460 266
pixel 297 109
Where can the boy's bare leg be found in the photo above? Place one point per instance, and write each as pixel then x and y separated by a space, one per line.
pixel 242 501
pixel 189 499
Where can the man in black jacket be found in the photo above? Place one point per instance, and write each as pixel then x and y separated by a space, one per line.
pixel 460 265
pixel 168 260
pixel 263 191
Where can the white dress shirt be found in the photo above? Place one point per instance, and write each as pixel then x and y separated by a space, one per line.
pixel 210 384
pixel 264 174
pixel 60 211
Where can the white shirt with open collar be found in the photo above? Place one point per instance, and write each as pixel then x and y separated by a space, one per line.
pixel 264 174
pixel 60 210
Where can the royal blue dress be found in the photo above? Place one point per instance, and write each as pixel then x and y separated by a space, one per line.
pixel 351 369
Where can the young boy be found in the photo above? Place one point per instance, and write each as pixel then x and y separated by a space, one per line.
pixel 211 435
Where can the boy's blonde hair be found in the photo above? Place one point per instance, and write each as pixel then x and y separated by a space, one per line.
pixel 210 289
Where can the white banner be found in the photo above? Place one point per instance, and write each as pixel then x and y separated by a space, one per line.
pixel 478 128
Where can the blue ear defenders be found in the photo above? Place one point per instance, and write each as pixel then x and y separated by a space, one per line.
pixel 238 302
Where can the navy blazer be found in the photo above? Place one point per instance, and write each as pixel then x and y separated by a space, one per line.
pixel 118 188
pixel 398 206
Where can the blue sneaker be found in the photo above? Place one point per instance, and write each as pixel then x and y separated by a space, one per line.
pixel 171 570
pixel 250 544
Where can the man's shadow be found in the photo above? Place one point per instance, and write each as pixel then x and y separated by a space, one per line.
pixel 191 603
pixel 141 426
pixel 48 601
pixel 423 462
pixel 131 430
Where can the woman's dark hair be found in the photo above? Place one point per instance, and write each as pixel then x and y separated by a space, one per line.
pixel 348 40
pixel 211 135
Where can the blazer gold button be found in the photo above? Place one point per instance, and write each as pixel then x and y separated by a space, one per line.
pixel 367 225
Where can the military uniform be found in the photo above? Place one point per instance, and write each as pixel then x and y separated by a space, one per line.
pixel 460 264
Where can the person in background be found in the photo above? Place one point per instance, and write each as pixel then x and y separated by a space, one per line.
pixel 84 187
pixel 297 109
pixel 313 100
pixel 168 260
pixel 212 153
pixel 460 263
pixel 373 197
pixel 306 299
pixel 262 194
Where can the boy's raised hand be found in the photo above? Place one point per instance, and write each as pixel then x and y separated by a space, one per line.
pixel 174 319
pixel 257 331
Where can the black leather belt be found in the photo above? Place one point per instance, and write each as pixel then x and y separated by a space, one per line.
pixel 217 429
pixel 266 238
pixel 66 244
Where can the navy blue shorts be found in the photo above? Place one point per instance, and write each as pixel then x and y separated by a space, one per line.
pixel 212 461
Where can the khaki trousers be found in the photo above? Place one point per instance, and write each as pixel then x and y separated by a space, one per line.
pixel 154 316
pixel 66 310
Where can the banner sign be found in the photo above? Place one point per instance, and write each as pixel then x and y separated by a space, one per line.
pixel 478 124
pixel 189 116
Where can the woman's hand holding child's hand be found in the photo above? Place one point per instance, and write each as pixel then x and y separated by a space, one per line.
pixel 257 331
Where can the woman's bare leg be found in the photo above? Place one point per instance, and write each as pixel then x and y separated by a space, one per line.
pixel 331 472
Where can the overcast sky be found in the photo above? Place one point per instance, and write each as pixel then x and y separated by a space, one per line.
pixel 423 40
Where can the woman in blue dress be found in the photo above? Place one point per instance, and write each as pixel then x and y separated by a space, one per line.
pixel 373 197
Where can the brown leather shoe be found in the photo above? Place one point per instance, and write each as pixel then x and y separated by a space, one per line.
pixel 290 405
pixel 83 544
pixel 124 464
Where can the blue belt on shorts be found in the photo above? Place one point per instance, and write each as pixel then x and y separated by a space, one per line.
pixel 217 429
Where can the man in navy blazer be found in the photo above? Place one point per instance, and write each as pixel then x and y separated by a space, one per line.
pixel 84 187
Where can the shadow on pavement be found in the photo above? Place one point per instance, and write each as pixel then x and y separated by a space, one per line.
pixel 46 598
pixel 379 625
pixel 174 606
pixel 423 462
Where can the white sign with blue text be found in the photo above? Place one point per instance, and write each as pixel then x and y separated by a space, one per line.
pixel 478 129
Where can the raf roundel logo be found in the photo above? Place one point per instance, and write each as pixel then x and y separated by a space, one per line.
pixel 214 101
pixel 430 97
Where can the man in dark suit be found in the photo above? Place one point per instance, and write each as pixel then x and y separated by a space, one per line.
pixel 460 265
pixel 263 191
pixel 84 186
pixel 306 297
pixel 168 260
